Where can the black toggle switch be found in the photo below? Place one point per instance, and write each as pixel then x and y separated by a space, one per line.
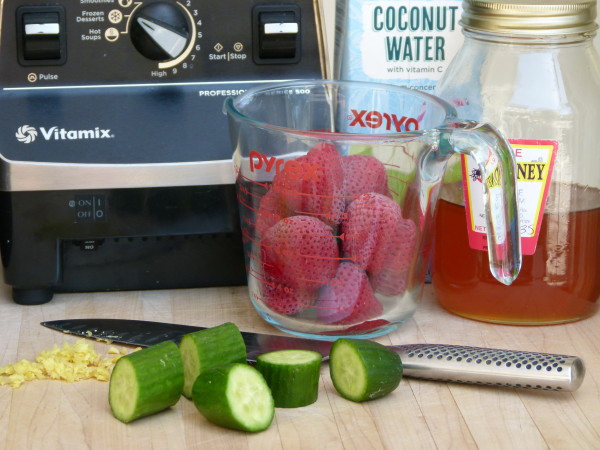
pixel 41 35
pixel 276 32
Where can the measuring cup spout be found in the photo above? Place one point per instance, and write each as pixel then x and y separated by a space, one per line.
pixel 493 154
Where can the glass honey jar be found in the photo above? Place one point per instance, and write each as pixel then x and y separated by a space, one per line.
pixel 530 68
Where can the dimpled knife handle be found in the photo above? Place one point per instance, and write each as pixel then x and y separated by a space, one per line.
pixel 485 366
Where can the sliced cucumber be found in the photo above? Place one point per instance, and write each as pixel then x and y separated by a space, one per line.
pixel 146 382
pixel 207 349
pixel 292 375
pixel 363 370
pixel 234 396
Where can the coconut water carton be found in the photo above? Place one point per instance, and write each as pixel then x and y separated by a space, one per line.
pixel 404 42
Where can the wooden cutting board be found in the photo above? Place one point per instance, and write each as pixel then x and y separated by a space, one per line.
pixel 419 414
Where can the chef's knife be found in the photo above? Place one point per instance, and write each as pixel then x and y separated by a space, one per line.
pixel 472 365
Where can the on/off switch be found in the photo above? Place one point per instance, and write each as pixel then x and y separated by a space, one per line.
pixel 41 35
pixel 276 34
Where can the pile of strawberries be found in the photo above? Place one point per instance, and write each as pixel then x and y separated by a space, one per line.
pixel 331 236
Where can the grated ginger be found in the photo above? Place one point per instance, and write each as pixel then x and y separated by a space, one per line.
pixel 70 363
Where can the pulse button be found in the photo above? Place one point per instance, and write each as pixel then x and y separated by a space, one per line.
pixel 41 35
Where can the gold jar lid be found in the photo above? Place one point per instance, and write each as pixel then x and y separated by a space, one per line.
pixel 530 16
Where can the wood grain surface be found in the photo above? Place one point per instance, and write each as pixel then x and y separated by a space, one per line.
pixel 418 415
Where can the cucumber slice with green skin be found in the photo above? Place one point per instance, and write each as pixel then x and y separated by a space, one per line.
pixel 210 348
pixel 146 382
pixel 234 396
pixel 292 375
pixel 363 370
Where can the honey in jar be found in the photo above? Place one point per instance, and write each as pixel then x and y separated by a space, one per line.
pixel 529 68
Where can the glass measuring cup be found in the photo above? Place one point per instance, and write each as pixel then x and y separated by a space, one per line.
pixel 337 185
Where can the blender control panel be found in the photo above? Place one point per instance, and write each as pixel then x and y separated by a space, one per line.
pixel 97 42
pixel 115 154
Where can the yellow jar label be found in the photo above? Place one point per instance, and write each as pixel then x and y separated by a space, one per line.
pixel 535 163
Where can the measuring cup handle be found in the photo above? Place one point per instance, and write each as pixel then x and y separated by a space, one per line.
pixel 496 161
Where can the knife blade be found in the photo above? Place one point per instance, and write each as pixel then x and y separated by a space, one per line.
pixel 143 333
pixel 441 362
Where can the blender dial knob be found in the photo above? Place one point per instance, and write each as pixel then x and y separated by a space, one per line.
pixel 160 31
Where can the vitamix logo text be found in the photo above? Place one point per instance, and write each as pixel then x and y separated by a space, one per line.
pixel 28 134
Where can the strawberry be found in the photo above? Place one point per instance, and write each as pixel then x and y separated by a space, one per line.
pixel 348 297
pixel 376 236
pixel 327 189
pixel 363 174
pixel 313 184
pixel 392 277
pixel 287 185
pixel 370 220
pixel 396 248
pixel 270 211
pixel 369 326
pixel 285 300
pixel 299 252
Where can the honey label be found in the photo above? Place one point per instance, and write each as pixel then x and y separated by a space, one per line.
pixel 535 163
